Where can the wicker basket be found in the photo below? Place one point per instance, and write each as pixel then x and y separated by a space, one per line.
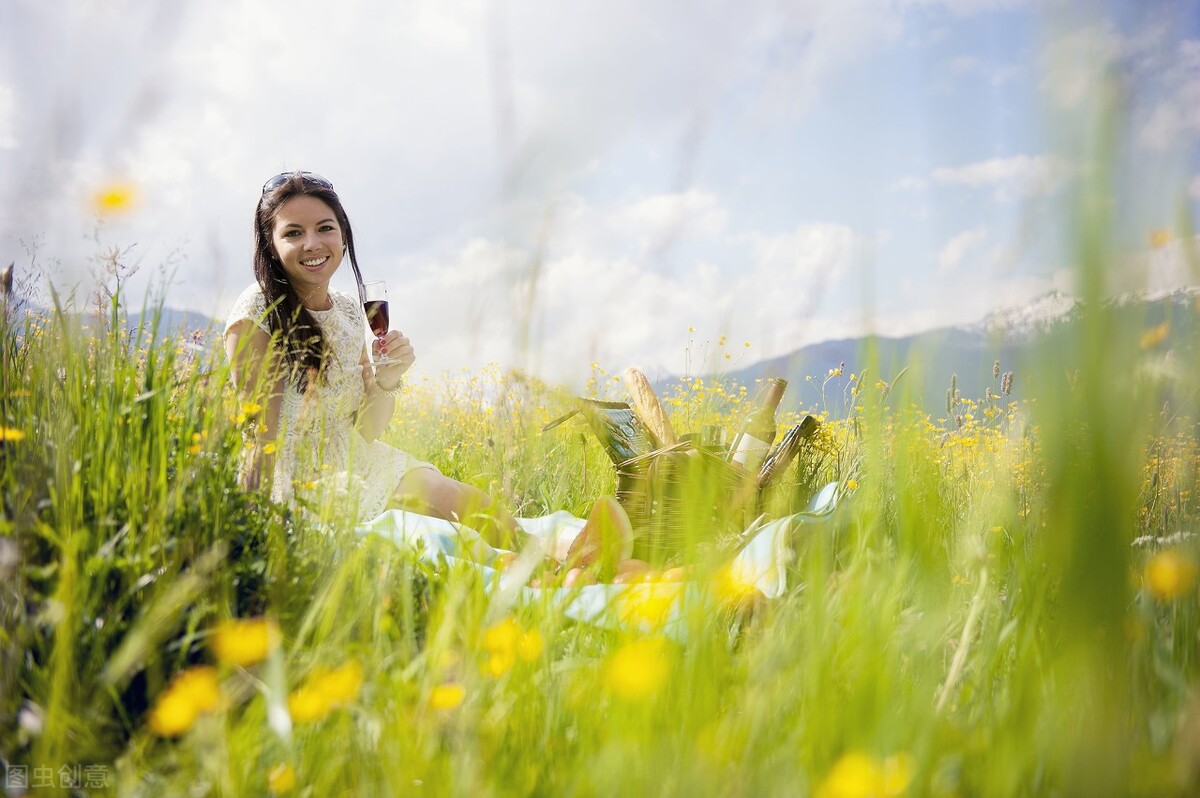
pixel 677 497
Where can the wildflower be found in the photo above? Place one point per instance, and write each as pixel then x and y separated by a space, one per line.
pixel 852 484
pixel 196 446
pixel 1160 238
pixel 10 435
pixel 530 645
pixel 249 411
pixel 1153 337
pixel 245 642
pixel 858 775
pixel 325 690
pixel 114 198
pixel 647 604
pixel 191 693
pixel 447 696
pixel 734 584
pixel 281 779
pixel 637 670
pixel 270 448
pixel 1169 575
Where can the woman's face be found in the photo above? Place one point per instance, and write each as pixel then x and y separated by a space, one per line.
pixel 308 241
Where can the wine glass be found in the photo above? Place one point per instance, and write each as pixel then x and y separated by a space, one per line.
pixel 375 306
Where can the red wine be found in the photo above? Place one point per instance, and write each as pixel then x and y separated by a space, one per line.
pixel 377 316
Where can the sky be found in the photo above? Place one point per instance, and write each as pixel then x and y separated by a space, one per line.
pixel 683 187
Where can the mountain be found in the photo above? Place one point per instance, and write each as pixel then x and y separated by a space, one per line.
pixel 1023 339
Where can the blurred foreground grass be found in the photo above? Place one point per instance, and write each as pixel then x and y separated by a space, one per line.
pixel 1005 604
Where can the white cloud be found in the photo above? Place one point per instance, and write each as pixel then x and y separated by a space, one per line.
pixel 1075 65
pixel 1018 175
pixel 1175 118
pixel 8 122
pixel 954 250
pixel 909 183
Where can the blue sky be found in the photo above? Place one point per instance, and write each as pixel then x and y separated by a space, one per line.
pixel 623 179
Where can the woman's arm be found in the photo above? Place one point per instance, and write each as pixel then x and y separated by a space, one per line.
pixel 379 404
pixel 258 380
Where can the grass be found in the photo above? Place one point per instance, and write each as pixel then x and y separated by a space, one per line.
pixel 1005 604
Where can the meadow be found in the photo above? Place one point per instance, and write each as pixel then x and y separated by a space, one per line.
pixel 1005 602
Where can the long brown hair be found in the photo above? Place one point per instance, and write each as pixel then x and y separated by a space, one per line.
pixel 300 338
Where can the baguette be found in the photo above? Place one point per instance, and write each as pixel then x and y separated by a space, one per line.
pixel 647 408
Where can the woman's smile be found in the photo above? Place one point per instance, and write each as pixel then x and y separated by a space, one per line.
pixel 308 242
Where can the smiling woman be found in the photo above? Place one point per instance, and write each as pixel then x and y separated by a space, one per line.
pixel 317 405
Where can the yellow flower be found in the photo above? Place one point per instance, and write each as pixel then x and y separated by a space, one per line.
pixel 1169 575
pixel 1160 237
pixel 501 636
pixel 1153 337
pixel 647 604
pixel 114 198
pixel 269 448
pixel 10 435
pixel 499 663
pixel 447 696
pixel 190 694
pixel 530 645
pixel 637 670
pixel 858 775
pixel 245 642
pixel 852 484
pixel 281 779
pixel 324 690
pixel 734 584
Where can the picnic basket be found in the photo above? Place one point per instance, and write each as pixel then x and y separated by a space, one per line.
pixel 679 497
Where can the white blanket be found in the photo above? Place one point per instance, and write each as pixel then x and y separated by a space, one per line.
pixel 762 561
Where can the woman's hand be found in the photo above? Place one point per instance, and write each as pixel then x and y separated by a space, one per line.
pixel 396 347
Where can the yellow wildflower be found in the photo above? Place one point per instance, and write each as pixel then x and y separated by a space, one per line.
pixel 447 696
pixel 852 484
pixel 10 435
pixel 530 645
pixel 734 584
pixel 1154 337
pixel 245 642
pixel 1169 575
pixel 499 663
pixel 1160 237
pixel 191 693
pixel 501 636
pixel 637 670
pixel 858 775
pixel 324 690
pixel 647 604
pixel 114 198
pixel 281 779
pixel 270 448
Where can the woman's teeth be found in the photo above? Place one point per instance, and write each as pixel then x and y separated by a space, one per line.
pixel 314 262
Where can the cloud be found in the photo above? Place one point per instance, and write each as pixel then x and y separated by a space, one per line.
pixel 579 299
pixel 1174 120
pixel 1076 65
pixel 1018 175
pixel 954 250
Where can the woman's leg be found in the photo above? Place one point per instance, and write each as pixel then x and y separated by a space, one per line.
pixel 442 497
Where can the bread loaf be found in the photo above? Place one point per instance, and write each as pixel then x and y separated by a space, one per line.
pixel 649 411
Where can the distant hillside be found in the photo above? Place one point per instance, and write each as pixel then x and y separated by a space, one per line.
pixel 1037 333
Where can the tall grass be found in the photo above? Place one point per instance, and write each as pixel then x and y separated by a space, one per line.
pixel 1004 603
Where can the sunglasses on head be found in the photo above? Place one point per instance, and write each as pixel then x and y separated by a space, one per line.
pixel 283 177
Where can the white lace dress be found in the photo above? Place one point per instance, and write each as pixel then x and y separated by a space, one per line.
pixel 321 457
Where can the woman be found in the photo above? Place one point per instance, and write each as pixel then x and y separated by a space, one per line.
pixel 297 350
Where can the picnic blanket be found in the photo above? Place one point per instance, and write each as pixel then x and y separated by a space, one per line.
pixel 761 561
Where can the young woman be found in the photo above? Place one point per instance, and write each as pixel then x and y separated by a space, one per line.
pixel 298 352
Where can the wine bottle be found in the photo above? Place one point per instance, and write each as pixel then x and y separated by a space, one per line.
pixel 752 443
pixel 782 455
